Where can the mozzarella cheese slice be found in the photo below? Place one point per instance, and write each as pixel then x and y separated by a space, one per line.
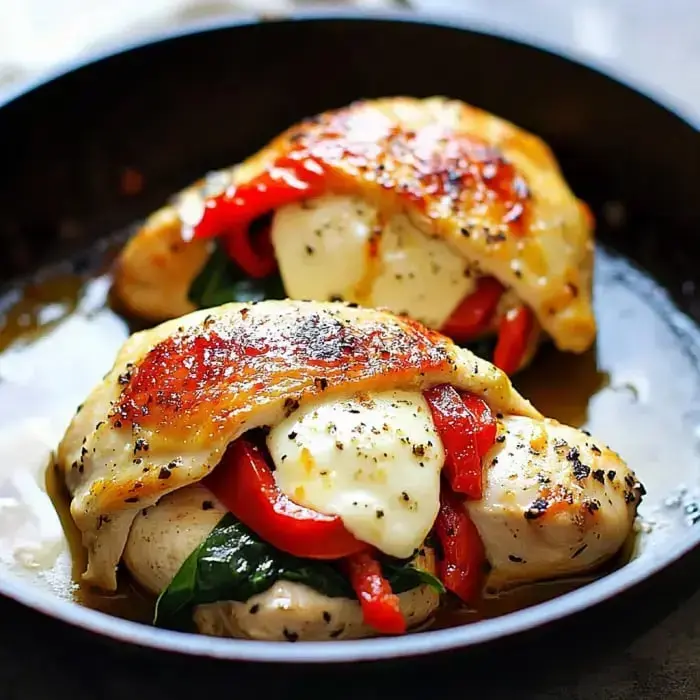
pixel 338 246
pixel 373 459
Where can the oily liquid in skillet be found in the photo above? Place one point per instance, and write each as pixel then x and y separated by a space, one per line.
pixel 638 390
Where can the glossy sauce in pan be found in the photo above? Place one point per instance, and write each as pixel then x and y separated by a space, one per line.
pixel 637 390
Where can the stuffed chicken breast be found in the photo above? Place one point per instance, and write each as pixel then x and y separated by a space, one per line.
pixel 303 470
pixel 430 208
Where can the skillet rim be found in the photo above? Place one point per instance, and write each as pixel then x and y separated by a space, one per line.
pixel 606 69
pixel 431 641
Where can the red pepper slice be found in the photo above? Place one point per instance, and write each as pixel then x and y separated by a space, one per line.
pixel 486 425
pixel 513 336
pixel 463 556
pixel 380 605
pixel 467 431
pixel 254 255
pixel 231 213
pixel 244 483
pixel 475 312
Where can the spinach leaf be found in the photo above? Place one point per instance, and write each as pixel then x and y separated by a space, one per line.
pixel 403 576
pixel 221 281
pixel 233 563
pixel 484 347
pixel 174 604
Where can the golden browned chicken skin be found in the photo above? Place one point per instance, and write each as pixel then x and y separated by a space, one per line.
pixel 137 455
pixel 179 393
pixel 488 192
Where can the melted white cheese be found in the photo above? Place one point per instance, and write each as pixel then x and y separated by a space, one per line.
pixel 373 459
pixel 323 250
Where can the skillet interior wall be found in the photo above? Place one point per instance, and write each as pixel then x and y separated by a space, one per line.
pixel 174 109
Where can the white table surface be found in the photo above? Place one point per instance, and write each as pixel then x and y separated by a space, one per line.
pixel 655 41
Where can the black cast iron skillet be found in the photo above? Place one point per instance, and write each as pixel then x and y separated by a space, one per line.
pixel 184 104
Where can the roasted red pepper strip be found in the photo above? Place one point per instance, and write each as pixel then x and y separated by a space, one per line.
pixel 486 427
pixel 463 557
pixel 473 315
pixel 380 605
pixel 513 336
pixel 253 254
pixel 244 483
pixel 463 436
pixel 231 213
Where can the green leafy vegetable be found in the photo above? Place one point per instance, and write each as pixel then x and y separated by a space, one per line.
pixel 221 281
pixel 403 576
pixel 484 347
pixel 234 564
